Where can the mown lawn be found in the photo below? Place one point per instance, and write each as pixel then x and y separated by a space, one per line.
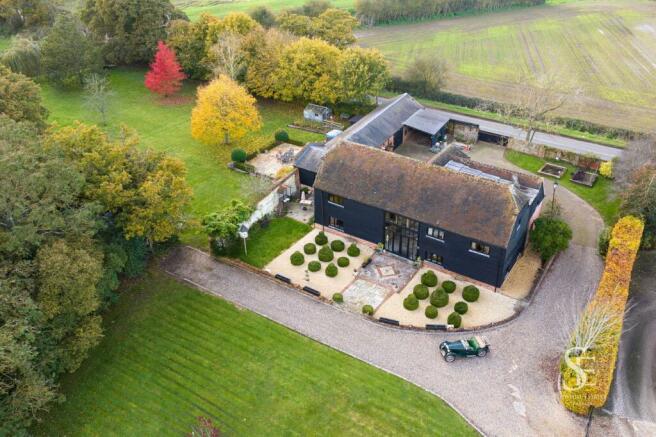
pixel 171 353
pixel 265 244
pixel 193 8
pixel 166 127
pixel 600 196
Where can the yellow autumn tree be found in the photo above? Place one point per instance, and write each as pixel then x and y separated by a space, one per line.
pixel 224 111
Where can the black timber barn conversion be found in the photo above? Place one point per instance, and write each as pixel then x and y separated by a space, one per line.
pixel 465 216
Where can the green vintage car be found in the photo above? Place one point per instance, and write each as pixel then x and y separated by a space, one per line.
pixel 474 347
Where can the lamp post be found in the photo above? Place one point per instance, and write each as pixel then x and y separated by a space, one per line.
pixel 553 197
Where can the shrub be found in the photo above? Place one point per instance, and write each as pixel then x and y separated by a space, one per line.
pixel 310 248
pixel 314 266
pixel 470 293
pixel 550 236
pixel 439 298
pixel 606 169
pixel 337 245
pixel 603 241
pixel 281 135
pixel 338 297
pixel 454 319
pixel 429 279
pixel 297 258
pixel 321 239
pixel 353 250
pixel 331 270
pixel 325 254
pixel 368 310
pixel 343 261
pixel 449 286
pixel 410 303
pixel 431 312
pixel 461 307
pixel 420 291
pixel 238 155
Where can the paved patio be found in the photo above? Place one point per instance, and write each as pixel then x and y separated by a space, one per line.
pixel 270 162
pixel 301 213
pixel 363 292
pixel 419 152
pixel 389 271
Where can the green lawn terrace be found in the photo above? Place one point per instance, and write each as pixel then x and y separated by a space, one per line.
pixel 171 353
pixel 164 125
pixel 193 8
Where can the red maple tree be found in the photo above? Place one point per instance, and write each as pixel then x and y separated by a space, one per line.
pixel 165 75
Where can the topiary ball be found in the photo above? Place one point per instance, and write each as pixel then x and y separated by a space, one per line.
pixel 461 307
pixel 321 239
pixel 368 310
pixel 420 291
pixel 430 312
pixel 454 319
pixel 337 245
pixel 238 155
pixel 338 297
pixel 429 279
pixel 331 270
pixel 439 298
pixel 297 258
pixel 410 303
pixel 281 135
pixel 470 293
pixel 353 250
pixel 449 286
pixel 343 261
pixel 325 254
pixel 310 248
pixel 314 266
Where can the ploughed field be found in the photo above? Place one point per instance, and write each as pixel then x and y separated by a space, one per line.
pixel 607 49
pixel 171 353
pixel 193 8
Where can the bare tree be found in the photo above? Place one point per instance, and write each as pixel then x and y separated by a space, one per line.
pixel 599 324
pixel 534 101
pixel 640 152
pixel 428 73
pixel 228 56
pixel 98 95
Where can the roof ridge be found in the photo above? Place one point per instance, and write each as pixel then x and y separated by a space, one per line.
pixel 375 116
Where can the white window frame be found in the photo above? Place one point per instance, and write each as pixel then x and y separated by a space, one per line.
pixel 432 237
pixel 477 252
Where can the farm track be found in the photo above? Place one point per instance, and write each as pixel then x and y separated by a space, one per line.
pixel 607 49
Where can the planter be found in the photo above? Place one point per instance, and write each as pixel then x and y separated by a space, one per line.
pixel 584 178
pixel 552 170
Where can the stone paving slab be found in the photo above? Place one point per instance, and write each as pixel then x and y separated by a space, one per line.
pixel 362 292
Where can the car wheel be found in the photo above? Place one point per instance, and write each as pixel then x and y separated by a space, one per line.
pixel 482 353
pixel 449 358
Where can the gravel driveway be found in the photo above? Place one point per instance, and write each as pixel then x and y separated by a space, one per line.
pixel 512 392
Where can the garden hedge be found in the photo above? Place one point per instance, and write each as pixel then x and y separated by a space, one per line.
pixel 439 298
pixel 338 297
pixel 310 248
pixel 410 303
pixel 326 254
pixel 281 135
pixel 449 286
pixel 470 293
pixel 454 319
pixel 343 261
pixel 331 270
pixel 429 279
pixel 321 239
pixel 353 250
pixel 430 312
pixel 461 307
pixel 314 266
pixel 337 245
pixel 611 296
pixel 297 258
pixel 368 310
pixel 420 291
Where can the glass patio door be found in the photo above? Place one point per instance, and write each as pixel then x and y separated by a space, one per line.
pixel 401 235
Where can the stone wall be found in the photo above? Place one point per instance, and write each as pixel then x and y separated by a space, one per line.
pixel 465 133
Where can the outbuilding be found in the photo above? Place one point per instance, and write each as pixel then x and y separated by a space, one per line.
pixel 317 113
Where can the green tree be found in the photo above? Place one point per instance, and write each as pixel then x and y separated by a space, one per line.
pixel 129 29
pixel 427 74
pixel 20 98
pixel 222 226
pixel 639 199
pixel 23 56
pixel 16 15
pixel 262 54
pixel 335 26
pixel 264 16
pixel 189 42
pixel 68 54
pixel 550 236
pixel 362 72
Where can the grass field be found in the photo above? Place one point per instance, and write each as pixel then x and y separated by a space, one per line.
pixel 600 196
pixel 265 244
pixel 605 48
pixel 5 42
pixel 166 128
pixel 193 8
pixel 171 353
